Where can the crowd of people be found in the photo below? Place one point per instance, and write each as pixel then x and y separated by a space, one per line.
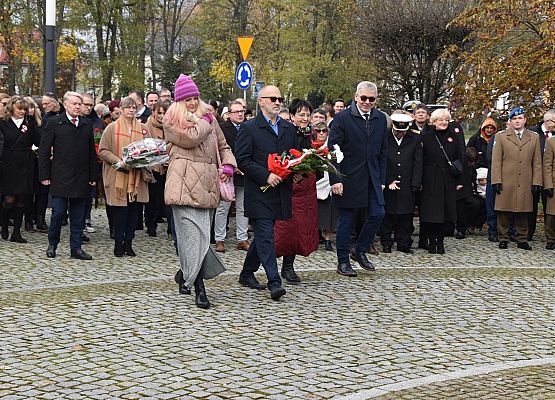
pixel 412 163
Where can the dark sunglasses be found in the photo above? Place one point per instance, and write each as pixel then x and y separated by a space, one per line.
pixel 273 99
pixel 320 130
pixel 371 99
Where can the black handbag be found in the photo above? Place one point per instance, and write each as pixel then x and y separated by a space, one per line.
pixel 455 167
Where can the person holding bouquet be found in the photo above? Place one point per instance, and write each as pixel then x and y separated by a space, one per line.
pixel 261 137
pixel 125 187
pixel 199 157
pixel 304 220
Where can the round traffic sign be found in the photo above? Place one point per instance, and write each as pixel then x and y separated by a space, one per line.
pixel 243 75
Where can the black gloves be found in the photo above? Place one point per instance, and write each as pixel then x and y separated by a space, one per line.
pixel 415 189
pixel 497 188
pixel 549 192
pixel 536 188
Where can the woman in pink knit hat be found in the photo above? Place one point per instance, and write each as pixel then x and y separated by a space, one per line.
pixel 199 157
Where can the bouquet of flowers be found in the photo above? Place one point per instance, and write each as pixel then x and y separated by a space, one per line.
pixel 97 137
pixel 316 159
pixel 144 153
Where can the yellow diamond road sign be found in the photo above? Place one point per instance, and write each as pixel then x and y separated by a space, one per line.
pixel 245 43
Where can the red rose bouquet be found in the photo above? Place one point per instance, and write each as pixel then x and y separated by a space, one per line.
pixel 316 159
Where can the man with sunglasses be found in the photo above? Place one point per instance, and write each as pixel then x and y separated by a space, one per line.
pixel 361 133
pixel 265 134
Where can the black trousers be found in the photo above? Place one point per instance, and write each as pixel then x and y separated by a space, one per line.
pixel 532 217
pixel 155 198
pixel 400 225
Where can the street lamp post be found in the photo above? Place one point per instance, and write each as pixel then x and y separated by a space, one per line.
pixel 50 48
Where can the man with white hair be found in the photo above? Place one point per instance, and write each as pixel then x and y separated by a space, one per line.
pixel 67 164
pixel 361 133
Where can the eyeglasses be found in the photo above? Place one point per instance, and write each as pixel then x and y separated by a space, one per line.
pixel 320 130
pixel 371 99
pixel 273 99
pixel 237 112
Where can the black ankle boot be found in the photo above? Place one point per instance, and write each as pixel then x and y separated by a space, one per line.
pixel 432 249
pixel 201 300
pixel 327 245
pixel 178 278
pixel 440 249
pixel 16 237
pixel 128 248
pixel 118 249
pixel 288 272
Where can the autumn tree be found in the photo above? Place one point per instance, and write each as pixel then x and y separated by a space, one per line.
pixel 510 50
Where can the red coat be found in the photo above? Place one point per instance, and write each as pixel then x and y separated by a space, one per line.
pixel 299 234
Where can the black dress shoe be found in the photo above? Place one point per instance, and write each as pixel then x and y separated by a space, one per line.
pixel 406 250
pixel 151 232
pixel 80 255
pixel 524 246
pixel 85 238
pixel 373 250
pixel 492 237
pixel 460 235
pixel 362 260
pixel 51 251
pixel 42 227
pixel 277 292
pixel 251 282
pixel 503 244
pixel 17 238
pixel 387 249
pixel 327 245
pixel 346 269
pixel 550 246
pixel 181 282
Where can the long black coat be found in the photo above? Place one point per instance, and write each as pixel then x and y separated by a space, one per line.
pixel 438 201
pixel 365 162
pixel 256 140
pixel 230 133
pixel 73 163
pixel 404 164
pixel 16 174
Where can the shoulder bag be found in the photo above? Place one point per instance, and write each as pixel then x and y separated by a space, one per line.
pixel 455 167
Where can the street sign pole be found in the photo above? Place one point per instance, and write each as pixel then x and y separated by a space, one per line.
pixel 50 48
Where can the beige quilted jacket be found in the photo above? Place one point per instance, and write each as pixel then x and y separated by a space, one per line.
pixel 192 177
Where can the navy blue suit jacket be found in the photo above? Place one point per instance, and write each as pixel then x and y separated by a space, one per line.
pixel 255 141
pixel 365 152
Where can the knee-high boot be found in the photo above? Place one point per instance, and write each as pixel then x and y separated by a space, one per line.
pixel 17 214
pixel 287 270
pixel 201 300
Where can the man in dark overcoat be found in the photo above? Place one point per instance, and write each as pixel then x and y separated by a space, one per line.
pixel 516 175
pixel 361 133
pixel 403 179
pixel 67 163
pixel 259 137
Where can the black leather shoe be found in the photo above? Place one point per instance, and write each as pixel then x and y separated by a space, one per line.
pixel 327 245
pixel 440 248
pixel 460 235
pixel 17 238
pixel 42 227
pixel 387 249
pixel 181 282
pixel 151 232
pixel 362 260
pixel 550 246
pixel 251 282
pixel 346 269
pixel 80 255
pixel 128 248
pixel 492 237
pixel 201 300
pixel 406 250
pixel 51 251
pixel 503 244
pixel 277 292
pixel 524 246
pixel 85 238
pixel 119 249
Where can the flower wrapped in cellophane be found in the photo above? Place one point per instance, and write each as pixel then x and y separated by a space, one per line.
pixel 316 159
pixel 144 153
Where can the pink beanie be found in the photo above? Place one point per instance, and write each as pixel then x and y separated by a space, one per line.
pixel 185 88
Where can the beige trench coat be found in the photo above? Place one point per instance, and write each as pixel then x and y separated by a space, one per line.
pixel 106 153
pixel 549 173
pixel 192 177
pixel 517 165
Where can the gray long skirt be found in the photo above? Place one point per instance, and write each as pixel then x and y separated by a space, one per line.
pixel 192 231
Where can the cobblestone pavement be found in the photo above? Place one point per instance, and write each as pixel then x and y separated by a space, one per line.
pixel 117 328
